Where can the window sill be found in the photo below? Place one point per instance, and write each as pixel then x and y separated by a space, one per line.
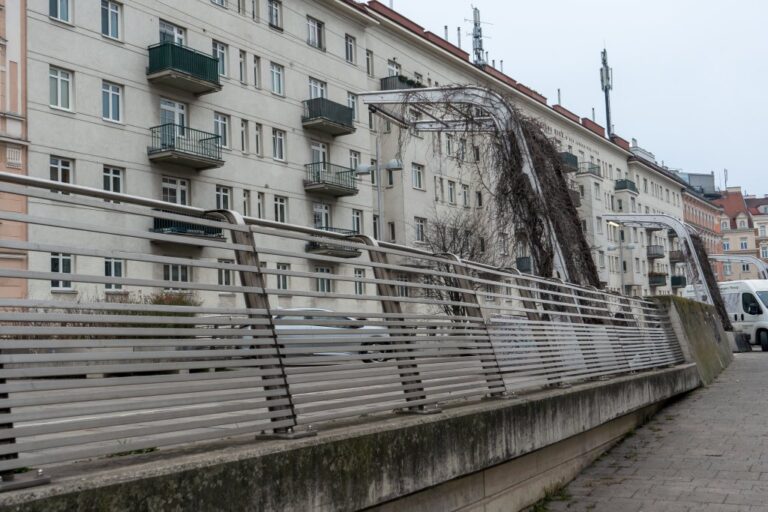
pixel 278 94
pixel 62 109
pixel 59 21
pixel 113 122
pixel 112 39
pixel 63 291
pixel 284 162
pixel 275 27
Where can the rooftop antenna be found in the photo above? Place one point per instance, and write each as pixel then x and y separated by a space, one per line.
pixel 458 37
pixel 391 4
pixel 559 101
pixel 725 178
pixel 477 38
pixel 501 64
pixel 606 81
pixel 593 114
pixel 446 32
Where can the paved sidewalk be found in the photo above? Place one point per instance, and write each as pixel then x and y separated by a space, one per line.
pixel 706 453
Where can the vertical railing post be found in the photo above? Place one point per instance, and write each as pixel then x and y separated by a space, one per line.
pixel 408 370
pixel 469 295
pixel 253 300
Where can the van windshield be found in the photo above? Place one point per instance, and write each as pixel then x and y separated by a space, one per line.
pixel 763 297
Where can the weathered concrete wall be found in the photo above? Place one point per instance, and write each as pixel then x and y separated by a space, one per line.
pixel 702 337
pixel 360 466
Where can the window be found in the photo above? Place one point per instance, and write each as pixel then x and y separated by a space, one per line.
pixel 323 284
pixel 113 268
pixel 352 103
pixel 742 223
pixel 175 190
pixel 375 227
pixel 170 33
pixel 173 112
pixel 373 172
pixel 113 179
pixel 278 144
pixel 242 73
pixel 449 145
pixel 61 169
pixel 225 274
pixel 393 68
pixel 277 72
pixel 60 10
pixel 421 225
pixel 60 88
pixel 256 71
pixel 745 267
pixel 727 268
pixel 402 290
pixel 417 176
pixel 479 199
pixel 221 127
pixel 390 178
pixel 354 159
pixel 465 195
pixel 321 214
pixel 281 209
pixel 452 192
pixel 724 225
pixel 260 204
pixel 315 33
pixel 244 135
pixel 317 88
pixel 369 62
pixel 275 13
pixel 221 2
pixel 282 279
pixel 601 259
pixel 110 19
pixel 726 245
pixel 177 274
pixel 220 53
pixel 223 198
pixel 764 252
pixel 246 203
pixel 391 227
pixel 257 142
pixel 359 287
pixel 350 49
pixel 743 244
pixel 357 221
pixel 111 102
pixel 61 264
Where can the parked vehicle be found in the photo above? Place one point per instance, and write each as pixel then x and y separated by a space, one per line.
pixel 747 305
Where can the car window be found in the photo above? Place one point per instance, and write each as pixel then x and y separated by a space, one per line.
pixel 747 300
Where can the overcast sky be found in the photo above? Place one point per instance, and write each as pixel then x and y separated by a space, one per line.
pixel 690 76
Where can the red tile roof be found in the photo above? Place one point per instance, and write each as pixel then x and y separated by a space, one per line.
pixel 733 204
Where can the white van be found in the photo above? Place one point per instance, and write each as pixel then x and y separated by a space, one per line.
pixel 747 305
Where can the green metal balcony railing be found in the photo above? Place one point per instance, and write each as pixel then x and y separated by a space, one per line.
pixel 175 227
pixel 678 281
pixel 657 279
pixel 569 161
pixel 182 139
pixel 589 168
pixel 390 83
pixel 323 173
pixel 626 185
pixel 169 55
pixel 323 108
pixel 338 249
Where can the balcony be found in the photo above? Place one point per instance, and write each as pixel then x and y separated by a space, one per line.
pixel 626 185
pixel 524 264
pixel 655 252
pixel 676 257
pixel 324 115
pixel 187 229
pixel 589 168
pixel 392 83
pixel 657 279
pixel 330 180
pixel 336 249
pixel 575 197
pixel 176 144
pixel 183 68
pixel 569 162
pixel 678 281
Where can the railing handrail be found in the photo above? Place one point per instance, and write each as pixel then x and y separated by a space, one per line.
pixel 172 55
pixel 323 107
pixel 183 47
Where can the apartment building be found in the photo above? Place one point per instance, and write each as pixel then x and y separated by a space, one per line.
pixel 705 216
pixel 758 210
pixel 13 136
pixel 253 106
pixel 738 234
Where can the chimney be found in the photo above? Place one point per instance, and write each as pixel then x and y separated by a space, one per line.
pixel 634 142
pixel 501 63
pixel 446 32
pixel 493 63
pixel 458 37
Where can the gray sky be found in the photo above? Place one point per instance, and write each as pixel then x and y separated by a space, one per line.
pixel 689 76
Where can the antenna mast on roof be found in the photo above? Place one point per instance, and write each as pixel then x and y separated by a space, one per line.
pixel 606 81
pixel 477 38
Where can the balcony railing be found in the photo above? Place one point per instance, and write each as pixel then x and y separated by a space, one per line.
pixel 337 249
pixel 575 197
pixel 626 185
pixel 676 256
pixel 523 264
pixel 182 145
pixel 655 251
pixel 589 168
pixel 678 281
pixel 328 116
pixel 175 227
pixel 657 279
pixel 390 83
pixel 184 68
pixel 329 179
pixel 569 162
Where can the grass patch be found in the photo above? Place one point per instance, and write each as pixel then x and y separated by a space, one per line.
pixel 132 452
pixel 554 494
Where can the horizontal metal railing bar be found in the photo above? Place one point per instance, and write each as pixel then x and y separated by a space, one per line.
pixel 376 373
pixel 132 319
pixel 127 306
pixel 84 452
pixel 96 357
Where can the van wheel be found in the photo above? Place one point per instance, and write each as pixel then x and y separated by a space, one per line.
pixel 762 336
